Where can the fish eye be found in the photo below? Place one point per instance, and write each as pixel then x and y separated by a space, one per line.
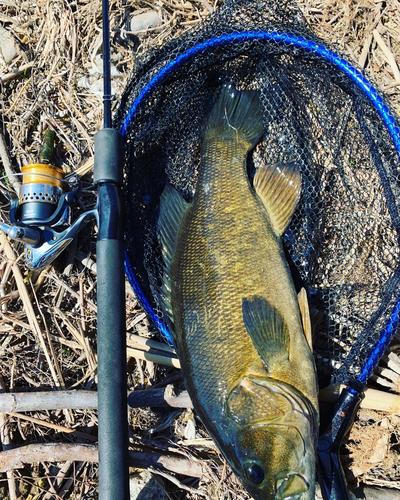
pixel 254 474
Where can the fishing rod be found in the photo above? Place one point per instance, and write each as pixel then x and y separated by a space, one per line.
pixel 111 333
pixel 40 217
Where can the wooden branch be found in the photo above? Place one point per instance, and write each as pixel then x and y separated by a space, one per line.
pixel 40 401
pixel 75 400
pixel 10 76
pixel 62 452
pixel 46 452
pixel 159 398
pixel 161 359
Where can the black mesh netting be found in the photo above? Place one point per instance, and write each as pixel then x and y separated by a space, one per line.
pixel 343 241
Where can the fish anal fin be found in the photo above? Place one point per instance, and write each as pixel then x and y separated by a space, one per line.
pixel 305 316
pixel 267 330
pixel 278 186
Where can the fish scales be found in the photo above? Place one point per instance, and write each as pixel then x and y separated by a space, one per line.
pixel 226 252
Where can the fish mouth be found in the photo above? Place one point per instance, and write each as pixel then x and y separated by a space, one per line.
pixel 293 486
pixel 295 481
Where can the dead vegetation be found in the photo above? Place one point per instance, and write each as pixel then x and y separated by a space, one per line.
pixel 48 318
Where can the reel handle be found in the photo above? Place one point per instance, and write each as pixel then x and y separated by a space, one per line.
pixel 27 235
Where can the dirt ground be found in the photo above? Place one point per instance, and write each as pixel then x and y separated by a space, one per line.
pixel 53 80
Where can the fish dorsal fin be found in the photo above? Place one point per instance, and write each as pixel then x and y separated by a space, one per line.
pixel 267 330
pixel 305 315
pixel 279 187
pixel 172 210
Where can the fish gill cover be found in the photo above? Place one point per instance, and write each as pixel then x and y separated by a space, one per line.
pixel 318 111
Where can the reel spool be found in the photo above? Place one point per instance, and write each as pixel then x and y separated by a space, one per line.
pixel 40 216
pixel 40 192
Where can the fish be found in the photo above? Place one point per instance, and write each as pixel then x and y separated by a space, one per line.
pixel 232 307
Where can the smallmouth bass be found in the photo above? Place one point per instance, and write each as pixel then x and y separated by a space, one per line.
pixel 233 309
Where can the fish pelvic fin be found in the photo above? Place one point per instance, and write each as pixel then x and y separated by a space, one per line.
pixel 172 210
pixel 305 316
pixel 279 187
pixel 236 116
pixel 267 330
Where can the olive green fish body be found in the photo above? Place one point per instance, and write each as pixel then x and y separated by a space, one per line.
pixel 252 385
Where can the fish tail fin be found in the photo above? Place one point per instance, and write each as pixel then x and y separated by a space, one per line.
pixel 236 115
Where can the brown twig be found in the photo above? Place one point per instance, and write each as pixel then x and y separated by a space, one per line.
pixel 67 271
pixel 388 53
pixel 50 343
pixel 161 359
pixel 61 452
pixel 56 427
pixel 58 479
pixel 72 292
pixel 5 158
pixel 178 483
pixel 6 445
pixel 57 400
pixel 23 292
pixel 13 74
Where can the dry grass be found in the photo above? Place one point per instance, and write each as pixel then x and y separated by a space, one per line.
pixel 48 318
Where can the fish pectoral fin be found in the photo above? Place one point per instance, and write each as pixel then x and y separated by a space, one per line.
pixel 267 330
pixel 305 315
pixel 278 187
pixel 172 210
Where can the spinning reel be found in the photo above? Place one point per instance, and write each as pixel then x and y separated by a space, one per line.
pixel 40 216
